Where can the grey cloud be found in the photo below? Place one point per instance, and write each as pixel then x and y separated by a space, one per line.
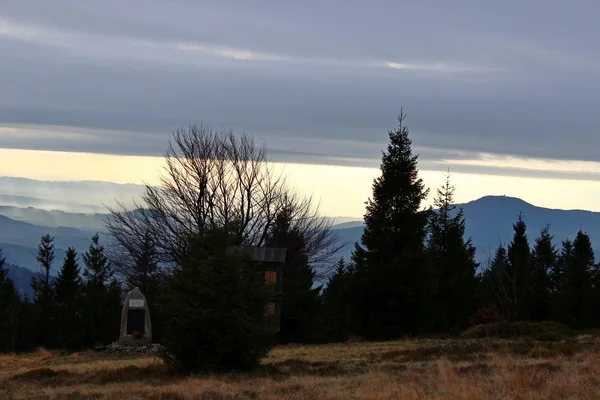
pixel 475 82
pixel 383 29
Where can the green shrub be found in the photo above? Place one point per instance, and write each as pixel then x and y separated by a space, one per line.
pixel 542 331
pixel 213 309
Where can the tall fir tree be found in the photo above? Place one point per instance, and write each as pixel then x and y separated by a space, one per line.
pixel 145 272
pixel 543 260
pixel 453 260
pixel 9 310
pixel 42 286
pixel 501 284
pixel 102 296
pixel 45 305
pixel 519 270
pixel 214 306
pixel 557 272
pixel 391 264
pixel 68 289
pixel 334 301
pixel 576 293
pixel 27 339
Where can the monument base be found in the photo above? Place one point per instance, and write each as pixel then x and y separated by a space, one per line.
pixel 131 341
pixel 117 349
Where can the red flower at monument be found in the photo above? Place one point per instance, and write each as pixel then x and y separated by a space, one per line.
pixel 137 334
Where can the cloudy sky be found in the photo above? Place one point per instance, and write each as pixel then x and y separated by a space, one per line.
pixel 505 94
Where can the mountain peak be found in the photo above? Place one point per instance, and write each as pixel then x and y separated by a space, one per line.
pixel 501 199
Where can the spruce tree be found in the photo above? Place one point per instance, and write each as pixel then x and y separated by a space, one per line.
pixel 557 279
pixel 145 273
pixel 214 306
pixel 9 310
pixel 519 270
pixel 501 283
pixel 45 305
pixel 28 325
pixel 334 303
pixel 68 289
pixel 97 270
pixel 543 260
pixel 3 270
pixel 576 295
pixel 42 286
pixel 394 220
pixel 102 296
pixel 453 260
pixel 391 265
pixel 67 284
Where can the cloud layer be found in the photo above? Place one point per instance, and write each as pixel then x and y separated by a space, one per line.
pixel 320 81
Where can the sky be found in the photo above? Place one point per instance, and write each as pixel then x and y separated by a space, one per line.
pixel 505 94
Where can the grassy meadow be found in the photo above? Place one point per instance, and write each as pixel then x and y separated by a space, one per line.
pixel 407 369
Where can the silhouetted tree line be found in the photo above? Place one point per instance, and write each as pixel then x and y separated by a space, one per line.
pixel 413 272
pixel 75 310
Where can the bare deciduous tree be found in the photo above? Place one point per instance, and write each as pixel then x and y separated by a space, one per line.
pixel 214 179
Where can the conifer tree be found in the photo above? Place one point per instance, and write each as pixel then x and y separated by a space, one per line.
pixel 68 282
pixel 557 273
pixel 102 296
pixel 501 283
pixel 68 289
pixel 9 310
pixel 300 299
pixel 28 326
pixel 453 260
pixel 45 306
pixel 214 307
pixel 519 270
pixel 97 270
pixel 42 286
pixel 335 300
pixel 145 273
pixel 575 294
pixel 391 264
pixel 557 279
pixel 543 260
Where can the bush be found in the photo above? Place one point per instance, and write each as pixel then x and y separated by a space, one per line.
pixel 543 331
pixel 213 309
pixel 489 315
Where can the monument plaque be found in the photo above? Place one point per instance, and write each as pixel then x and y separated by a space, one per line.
pixel 135 320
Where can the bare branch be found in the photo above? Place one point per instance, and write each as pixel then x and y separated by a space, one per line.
pixel 215 179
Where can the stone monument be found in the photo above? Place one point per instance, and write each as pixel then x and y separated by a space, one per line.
pixel 136 328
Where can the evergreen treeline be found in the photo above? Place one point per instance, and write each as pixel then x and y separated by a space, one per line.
pixel 75 310
pixel 413 273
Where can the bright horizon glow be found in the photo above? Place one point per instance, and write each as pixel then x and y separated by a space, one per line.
pixel 339 190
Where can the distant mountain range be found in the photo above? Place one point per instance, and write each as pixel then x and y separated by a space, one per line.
pixel 55 218
pixel 76 196
pixel 21 277
pixel 489 223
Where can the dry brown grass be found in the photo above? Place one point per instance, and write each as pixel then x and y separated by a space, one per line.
pixel 410 369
